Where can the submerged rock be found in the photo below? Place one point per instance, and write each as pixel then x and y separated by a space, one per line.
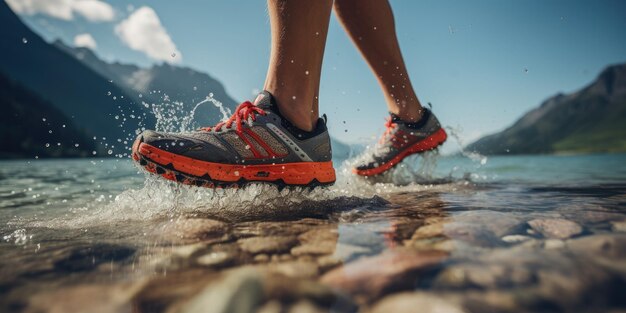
pixel 612 246
pixel 515 238
pixel 372 276
pixel 472 234
pixel 269 244
pixel 500 224
pixel 556 228
pixel 89 257
pixel 416 302
pixel 241 291
pixel 321 241
pixel 619 226
pixel 196 229
pixel 484 275
pixel 216 258
pixel 87 298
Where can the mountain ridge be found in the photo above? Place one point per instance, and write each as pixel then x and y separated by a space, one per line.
pixel 181 84
pixel 590 120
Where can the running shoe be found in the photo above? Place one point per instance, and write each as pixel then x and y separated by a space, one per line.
pixel 400 140
pixel 256 144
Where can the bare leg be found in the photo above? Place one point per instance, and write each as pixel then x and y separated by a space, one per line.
pixel 299 29
pixel 371 26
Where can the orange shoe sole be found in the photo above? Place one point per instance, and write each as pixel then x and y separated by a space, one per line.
pixel 431 142
pixel 190 171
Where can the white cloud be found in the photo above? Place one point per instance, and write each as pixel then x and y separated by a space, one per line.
pixel 92 10
pixel 85 40
pixel 142 31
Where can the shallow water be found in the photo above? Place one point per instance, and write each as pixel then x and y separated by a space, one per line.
pixel 448 234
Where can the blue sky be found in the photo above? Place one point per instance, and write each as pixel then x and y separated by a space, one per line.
pixel 482 64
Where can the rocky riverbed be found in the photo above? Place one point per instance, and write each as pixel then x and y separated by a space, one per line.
pixel 451 248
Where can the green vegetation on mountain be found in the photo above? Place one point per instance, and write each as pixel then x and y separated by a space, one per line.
pixel 592 120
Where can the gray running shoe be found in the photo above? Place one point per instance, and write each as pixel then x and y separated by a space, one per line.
pixel 400 140
pixel 256 144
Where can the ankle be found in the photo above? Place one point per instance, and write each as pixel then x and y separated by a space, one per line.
pixel 298 111
pixel 301 120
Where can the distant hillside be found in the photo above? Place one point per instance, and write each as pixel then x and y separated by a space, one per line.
pixel 181 84
pixel 78 92
pixel 592 120
pixel 30 126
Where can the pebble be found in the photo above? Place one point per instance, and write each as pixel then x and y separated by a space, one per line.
pixel 472 234
pixel 371 276
pixel 316 242
pixel 500 224
pixel 215 258
pixel 196 228
pixel 612 246
pixel 241 291
pixel 556 228
pixel 554 244
pixel 515 238
pixel 269 244
pixel 619 226
pixel 416 302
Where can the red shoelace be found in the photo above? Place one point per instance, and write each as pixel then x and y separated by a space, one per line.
pixel 242 113
pixel 389 125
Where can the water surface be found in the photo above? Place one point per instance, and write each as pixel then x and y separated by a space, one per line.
pixel 454 234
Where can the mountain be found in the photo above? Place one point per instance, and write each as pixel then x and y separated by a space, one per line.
pixel 180 84
pixel 592 120
pixel 78 92
pixel 41 131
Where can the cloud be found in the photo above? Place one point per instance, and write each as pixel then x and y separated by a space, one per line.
pixel 85 40
pixel 92 10
pixel 142 31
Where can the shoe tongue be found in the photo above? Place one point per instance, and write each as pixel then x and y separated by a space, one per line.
pixel 265 101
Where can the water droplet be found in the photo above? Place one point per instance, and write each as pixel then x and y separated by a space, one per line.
pixel 525 70
pixel 93 152
pixel 110 151
pixel 140 96
pixel 236 173
pixel 247 147
pixel 306 72
pixel 50 131
pixel 63 125
pixel 294 97
pixel 47 145
pixel 195 88
pixel 114 98
pixel 375 28
pixel 117 117
pixel 76 145
pixel 43 119
pixel 24 40
pixel 173 54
